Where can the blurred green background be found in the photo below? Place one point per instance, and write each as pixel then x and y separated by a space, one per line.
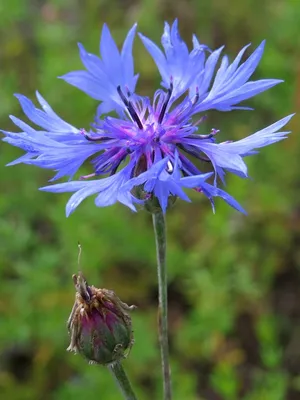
pixel 234 282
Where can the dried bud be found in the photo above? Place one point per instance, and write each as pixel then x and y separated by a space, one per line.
pixel 99 324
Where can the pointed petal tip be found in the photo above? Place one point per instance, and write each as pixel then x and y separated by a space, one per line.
pixel 105 33
pixel 68 212
pixel 141 36
pixel 13 118
pixel 65 76
pixel 284 121
pixel 208 175
pixel 48 188
pixel 262 44
pixel 18 95
pixel 134 26
pixel 290 116
pixel 175 25
pixel 132 30
pixel 166 26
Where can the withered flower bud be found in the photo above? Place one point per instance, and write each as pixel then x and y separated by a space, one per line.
pixel 99 325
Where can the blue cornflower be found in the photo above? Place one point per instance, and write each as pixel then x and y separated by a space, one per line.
pixel 153 141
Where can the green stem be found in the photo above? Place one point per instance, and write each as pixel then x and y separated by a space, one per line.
pixel 122 380
pixel 160 239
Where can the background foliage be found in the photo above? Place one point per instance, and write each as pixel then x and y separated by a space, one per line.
pixel 234 280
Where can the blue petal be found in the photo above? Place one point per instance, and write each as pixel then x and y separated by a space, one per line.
pixel 158 56
pixel 88 83
pixel 177 65
pixel 163 184
pixel 46 119
pixel 148 175
pixel 108 189
pixel 203 82
pixel 230 85
pixel 60 146
pixel 195 180
pixel 126 55
pixel 211 191
pixel 104 75
pixel 262 138
pixel 229 155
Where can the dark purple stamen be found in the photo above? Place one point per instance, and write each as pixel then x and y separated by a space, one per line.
pixel 91 138
pixel 130 108
pixel 209 136
pixel 196 98
pixel 164 107
pixel 115 168
pixel 193 152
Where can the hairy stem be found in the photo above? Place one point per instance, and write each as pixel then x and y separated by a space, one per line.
pixel 160 239
pixel 122 381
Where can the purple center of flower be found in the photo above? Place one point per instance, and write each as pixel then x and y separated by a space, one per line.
pixel 149 133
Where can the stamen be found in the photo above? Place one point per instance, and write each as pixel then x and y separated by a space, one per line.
pixel 164 107
pixel 205 159
pixel 194 153
pixel 209 136
pixel 141 165
pixel 130 108
pixel 206 136
pixel 128 91
pixel 201 120
pixel 87 176
pixel 93 138
pixel 115 168
pixel 196 98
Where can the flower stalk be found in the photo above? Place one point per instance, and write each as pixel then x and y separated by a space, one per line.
pixel 122 380
pixel 160 239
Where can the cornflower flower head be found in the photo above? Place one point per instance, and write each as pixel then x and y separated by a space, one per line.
pixel 143 154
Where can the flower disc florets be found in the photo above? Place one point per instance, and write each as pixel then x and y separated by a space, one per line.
pixel 146 151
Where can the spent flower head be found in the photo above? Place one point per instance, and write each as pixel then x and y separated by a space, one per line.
pixel 99 325
pixel 143 153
